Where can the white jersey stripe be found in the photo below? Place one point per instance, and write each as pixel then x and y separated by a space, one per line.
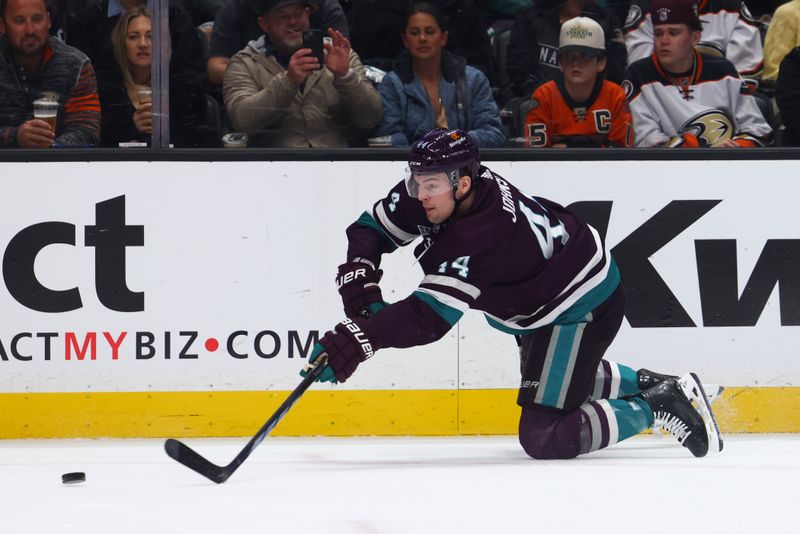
pixel 455 283
pixel 616 378
pixel 396 232
pixel 613 427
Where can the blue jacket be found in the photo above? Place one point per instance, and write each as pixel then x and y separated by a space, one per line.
pixel 465 93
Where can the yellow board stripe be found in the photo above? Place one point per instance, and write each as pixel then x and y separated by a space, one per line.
pixel 329 413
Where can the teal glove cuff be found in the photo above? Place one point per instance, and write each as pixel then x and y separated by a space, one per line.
pixel 375 307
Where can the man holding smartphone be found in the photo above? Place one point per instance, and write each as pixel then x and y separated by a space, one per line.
pixel 277 91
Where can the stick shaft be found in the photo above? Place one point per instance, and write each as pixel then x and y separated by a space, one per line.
pixel 184 454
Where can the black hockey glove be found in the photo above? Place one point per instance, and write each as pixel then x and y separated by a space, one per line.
pixel 347 346
pixel 358 286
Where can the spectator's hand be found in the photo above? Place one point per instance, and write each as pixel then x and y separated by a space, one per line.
pixel 338 57
pixel 301 65
pixel 35 133
pixel 728 143
pixel 143 118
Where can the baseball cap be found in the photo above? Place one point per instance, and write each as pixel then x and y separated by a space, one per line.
pixel 583 35
pixel 267 6
pixel 675 12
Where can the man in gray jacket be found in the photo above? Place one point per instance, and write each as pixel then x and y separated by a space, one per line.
pixel 277 92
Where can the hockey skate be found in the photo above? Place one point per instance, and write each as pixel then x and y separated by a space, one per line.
pixel 647 379
pixel 673 413
pixel 695 392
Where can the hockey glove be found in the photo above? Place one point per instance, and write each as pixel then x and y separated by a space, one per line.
pixel 358 286
pixel 347 346
pixel 327 374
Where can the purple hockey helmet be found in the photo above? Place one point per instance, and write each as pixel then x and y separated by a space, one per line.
pixel 445 152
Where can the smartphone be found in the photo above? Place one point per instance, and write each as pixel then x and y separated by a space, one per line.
pixel 313 39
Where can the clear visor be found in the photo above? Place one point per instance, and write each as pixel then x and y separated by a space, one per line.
pixel 427 184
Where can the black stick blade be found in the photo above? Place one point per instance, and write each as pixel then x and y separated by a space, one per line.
pixel 182 453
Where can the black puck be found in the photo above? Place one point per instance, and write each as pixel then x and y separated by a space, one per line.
pixel 73 478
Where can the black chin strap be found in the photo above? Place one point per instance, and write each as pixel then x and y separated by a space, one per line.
pixel 459 201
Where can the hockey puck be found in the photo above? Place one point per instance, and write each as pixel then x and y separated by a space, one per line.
pixel 73 478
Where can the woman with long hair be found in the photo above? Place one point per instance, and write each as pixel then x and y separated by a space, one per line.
pixel 431 87
pixel 127 109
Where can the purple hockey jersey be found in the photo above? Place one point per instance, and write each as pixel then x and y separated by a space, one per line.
pixel 523 261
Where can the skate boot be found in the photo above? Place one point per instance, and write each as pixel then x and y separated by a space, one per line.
pixel 647 379
pixel 673 413
pixel 698 396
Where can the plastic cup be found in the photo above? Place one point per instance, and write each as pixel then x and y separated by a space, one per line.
pixel 382 141
pixel 46 110
pixel 235 140
pixel 145 95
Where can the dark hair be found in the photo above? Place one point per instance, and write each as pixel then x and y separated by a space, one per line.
pixel 428 9
pixel 4 4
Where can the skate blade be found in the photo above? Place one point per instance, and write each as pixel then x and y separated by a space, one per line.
pixel 713 392
pixel 694 391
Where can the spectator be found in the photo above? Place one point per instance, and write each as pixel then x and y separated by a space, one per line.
pixel 787 95
pixel 127 117
pixel 32 65
pixel 377 25
pixel 581 109
pixel 682 98
pixel 236 25
pixel 533 45
pixel 279 94
pixel 433 88
pixel 90 30
pixel 728 31
pixel 782 36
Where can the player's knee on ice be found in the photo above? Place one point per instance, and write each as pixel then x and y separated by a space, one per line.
pixel 550 434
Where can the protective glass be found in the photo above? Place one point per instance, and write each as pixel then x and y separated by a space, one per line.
pixel 423 184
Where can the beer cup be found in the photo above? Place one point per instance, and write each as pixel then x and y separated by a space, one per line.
pixel 145 95
pixel 46 110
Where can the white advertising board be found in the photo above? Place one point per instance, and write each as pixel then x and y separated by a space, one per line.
pixel 177 276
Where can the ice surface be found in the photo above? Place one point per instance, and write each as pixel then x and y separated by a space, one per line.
pixel 401 485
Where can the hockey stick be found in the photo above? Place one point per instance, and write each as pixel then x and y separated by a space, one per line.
pixel 182 453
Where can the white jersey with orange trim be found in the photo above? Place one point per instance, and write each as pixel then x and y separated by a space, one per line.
pixel 712 104
pixel 729 31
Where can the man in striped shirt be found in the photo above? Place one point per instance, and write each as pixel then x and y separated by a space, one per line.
pixel 34 65
pixel 536 271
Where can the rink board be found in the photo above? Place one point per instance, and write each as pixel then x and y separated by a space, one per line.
pixel 179 298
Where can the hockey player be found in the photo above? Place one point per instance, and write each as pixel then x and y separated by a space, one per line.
pixel 536 271
pixel 681 98
pixel 581 108
pixel 728 31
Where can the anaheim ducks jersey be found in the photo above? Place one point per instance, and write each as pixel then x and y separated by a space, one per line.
pixel 554 117
pixel 711 103
pixel 523 261
pixel 729 31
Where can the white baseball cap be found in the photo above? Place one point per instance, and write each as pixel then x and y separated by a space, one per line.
pixel 583 35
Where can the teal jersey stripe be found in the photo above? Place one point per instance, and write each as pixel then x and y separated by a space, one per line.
pixel 595 297
pixel 558 366
pixel 369 221
pixel 448 313
pixel 577 312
